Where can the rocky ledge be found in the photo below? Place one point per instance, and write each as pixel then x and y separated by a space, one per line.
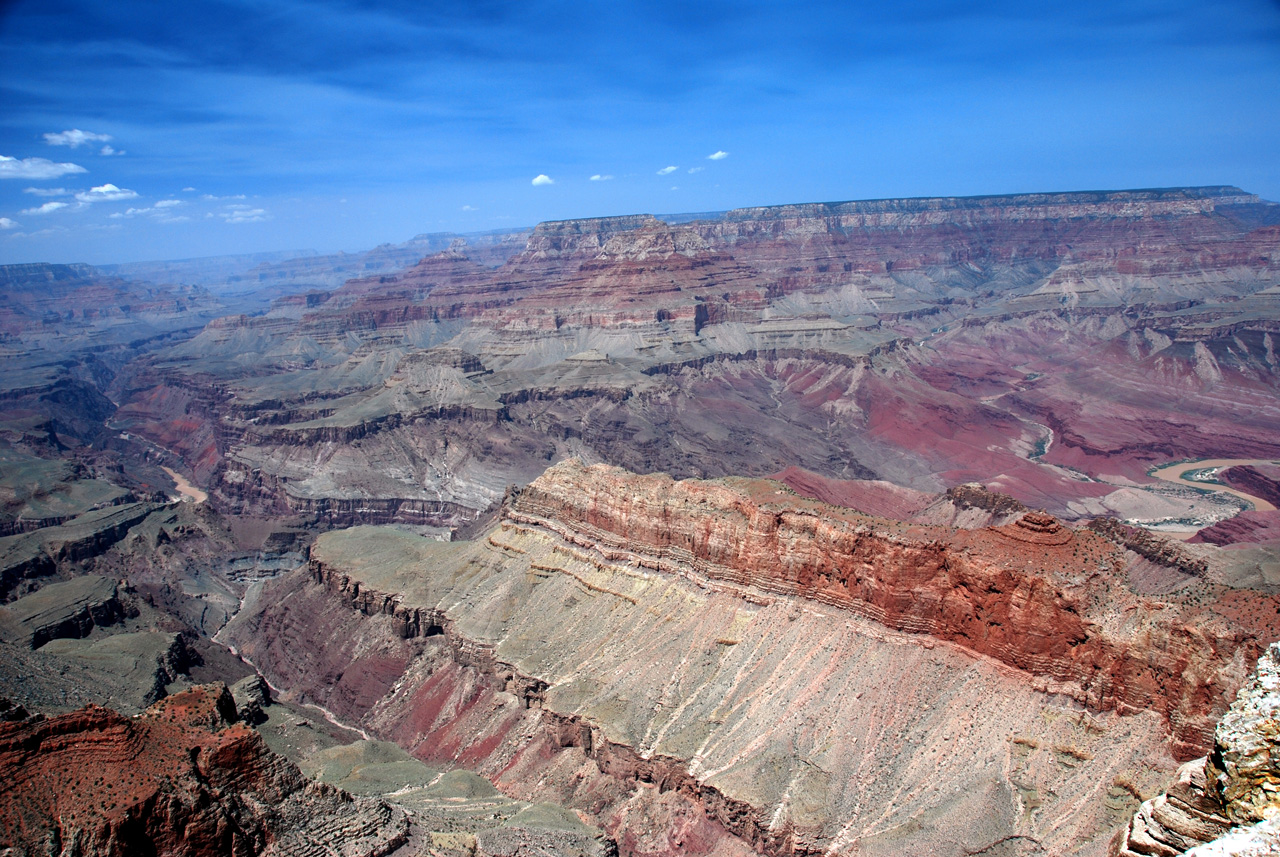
pixel 1229 802
pixel 1032 594
pixel 184 778
pixel 789 675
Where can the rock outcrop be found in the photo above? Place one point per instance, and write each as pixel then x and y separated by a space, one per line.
pixel 184 778
pixel 1229 802
pixel 1032 594
pixel 743 649
pixel 61 610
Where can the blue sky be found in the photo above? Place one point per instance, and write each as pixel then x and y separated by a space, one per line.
pixel 220 127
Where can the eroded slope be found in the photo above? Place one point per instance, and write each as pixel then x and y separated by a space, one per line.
pixel 972 688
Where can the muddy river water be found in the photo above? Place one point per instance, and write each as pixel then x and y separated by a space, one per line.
pixel 1176 473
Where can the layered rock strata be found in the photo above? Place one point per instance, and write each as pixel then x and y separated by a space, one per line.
pixel 926 342
pixel 1032 594
pixel 184 778
pixel 743 649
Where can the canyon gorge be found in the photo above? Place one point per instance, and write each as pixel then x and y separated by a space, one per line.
pixel 818 529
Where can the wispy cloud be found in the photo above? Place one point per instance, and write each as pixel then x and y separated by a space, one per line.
pixel 542 179
pixel 666 171
pixel 242 214
pixel 469 208
pixel 39 233
pixel 6 223
pixel 35 168
pixel 162 212
pixel 106 193
pixel 109 150
pixel 47 191
pixel 696 169
pixel 47 208
pixel 599 178
pixel 717 155
pixel 76 138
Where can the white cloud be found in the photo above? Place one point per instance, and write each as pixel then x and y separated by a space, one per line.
pixel 696 169
pixel 717 156
pixel 469 208
pixel 108 150
pixel 106 193
pixel 666 171
pixel 35 168
pixel 47 191
pixel 188 190
pixel 47 208
pixel 6 223
pixel 75 138
pixel 599 178
pixel 242 214
pixel 160 212
pixel 211 196
pixel 542 179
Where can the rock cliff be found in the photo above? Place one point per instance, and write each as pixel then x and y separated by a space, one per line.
pixel 743 649
pixel 1032 594
pixel 1229 802
pixel 921 342
pixel 184 778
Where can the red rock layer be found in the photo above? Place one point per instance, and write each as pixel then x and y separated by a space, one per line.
pixel 636 269
pixel 1032 594
pixel 181 779
pixel 1261 481
pixel 1246 528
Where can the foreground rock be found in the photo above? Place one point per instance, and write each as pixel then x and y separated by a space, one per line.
pixel 1229 802
pixel 712 667
pixel 183 778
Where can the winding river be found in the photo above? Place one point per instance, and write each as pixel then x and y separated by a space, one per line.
pixel 1176 473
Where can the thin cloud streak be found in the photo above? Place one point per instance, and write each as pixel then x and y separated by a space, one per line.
pixel 36 168
pixel 77 138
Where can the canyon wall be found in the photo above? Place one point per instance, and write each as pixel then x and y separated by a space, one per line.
pixel 1032 594
pixel 785 674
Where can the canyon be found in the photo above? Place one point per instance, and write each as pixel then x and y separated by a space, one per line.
pixel 837 528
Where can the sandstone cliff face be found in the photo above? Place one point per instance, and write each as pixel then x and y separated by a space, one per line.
pixel 181 779
pixel 1033 594
pixel 744 649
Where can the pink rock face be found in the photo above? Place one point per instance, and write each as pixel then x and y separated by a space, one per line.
pixel 1247 528
pixel 1259 480
pixel 883 499
pixel 1033 594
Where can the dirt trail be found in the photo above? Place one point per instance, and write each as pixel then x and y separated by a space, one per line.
pixel 1174 473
